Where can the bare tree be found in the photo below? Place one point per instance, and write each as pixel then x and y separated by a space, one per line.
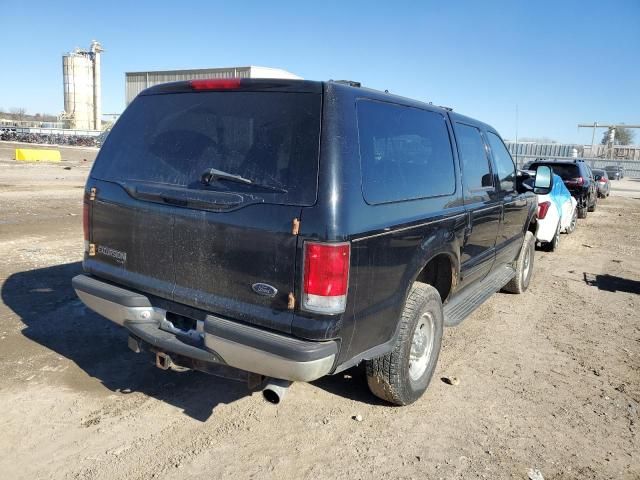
pixel 624 136
pixel 19 114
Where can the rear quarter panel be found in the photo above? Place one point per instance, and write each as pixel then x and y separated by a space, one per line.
pixel 391 242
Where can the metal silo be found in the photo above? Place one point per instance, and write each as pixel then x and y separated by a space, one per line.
pixel 81 82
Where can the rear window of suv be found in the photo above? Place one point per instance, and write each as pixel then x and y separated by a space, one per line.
pixel 564 171
pixel 271 138
pixel 405 153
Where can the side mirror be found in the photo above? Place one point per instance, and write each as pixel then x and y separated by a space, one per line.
pixel 487 180
pixel 598 177
pixel 542 185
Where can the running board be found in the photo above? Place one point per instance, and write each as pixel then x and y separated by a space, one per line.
pixel 461 306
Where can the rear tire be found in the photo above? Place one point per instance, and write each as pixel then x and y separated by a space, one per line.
pixel 552 246
pixel 402 375
pixel 524 266
pixel 582 212
pixel 573 223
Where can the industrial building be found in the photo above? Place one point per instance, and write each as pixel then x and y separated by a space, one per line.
pixel 135 82
pixel 82 89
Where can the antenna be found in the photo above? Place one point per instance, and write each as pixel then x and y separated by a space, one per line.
pixel 517 148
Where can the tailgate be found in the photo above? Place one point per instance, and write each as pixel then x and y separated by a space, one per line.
pixel 133 241
pixel 200 190
pixel 238 264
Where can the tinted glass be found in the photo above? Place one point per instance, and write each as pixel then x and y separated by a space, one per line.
pixel 476 174
pixel 506 169
pixel 565 171
pixel 589 172
pixel 269 138
pixel 405 153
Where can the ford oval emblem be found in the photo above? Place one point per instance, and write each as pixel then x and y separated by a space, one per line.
pixel 264 289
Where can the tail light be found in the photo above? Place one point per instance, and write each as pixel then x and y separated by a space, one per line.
pixel 326 277
pixel 215 84
pixel 575 182
pixel 543 208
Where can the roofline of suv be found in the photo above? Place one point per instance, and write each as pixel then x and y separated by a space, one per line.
pixel 237 84
pixel 303 86
pixel 560 162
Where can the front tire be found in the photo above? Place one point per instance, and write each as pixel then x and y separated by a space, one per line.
pixel 524 266
pixel 592 208
pixel 402 375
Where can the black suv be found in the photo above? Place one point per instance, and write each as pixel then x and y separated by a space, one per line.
pixel 614 172
pixel 292 229
pixel 579 180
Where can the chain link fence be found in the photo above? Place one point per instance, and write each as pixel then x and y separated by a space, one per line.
pixel 603 156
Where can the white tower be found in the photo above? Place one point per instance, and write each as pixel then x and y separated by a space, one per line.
pixel 82 88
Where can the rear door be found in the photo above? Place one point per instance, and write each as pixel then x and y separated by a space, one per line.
pixel 233 250
pixel 514 205
pixel 481 202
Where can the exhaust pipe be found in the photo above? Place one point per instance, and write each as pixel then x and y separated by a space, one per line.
pixel 275 389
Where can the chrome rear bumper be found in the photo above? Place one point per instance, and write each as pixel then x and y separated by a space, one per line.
pixel 221 341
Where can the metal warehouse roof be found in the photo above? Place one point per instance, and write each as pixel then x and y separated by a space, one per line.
pixel 135 82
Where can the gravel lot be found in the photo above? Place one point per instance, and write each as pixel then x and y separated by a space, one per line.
pixel 548 380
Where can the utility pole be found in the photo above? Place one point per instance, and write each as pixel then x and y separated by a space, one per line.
pixel 517 146
pixel 612 140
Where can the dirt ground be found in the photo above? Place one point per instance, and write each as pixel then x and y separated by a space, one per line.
pixel 548 380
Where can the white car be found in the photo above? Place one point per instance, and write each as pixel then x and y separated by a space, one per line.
pixel 556 213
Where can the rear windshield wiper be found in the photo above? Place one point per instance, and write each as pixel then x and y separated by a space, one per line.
pixel 211 174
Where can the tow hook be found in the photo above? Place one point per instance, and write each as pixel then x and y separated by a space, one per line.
pixel 163 361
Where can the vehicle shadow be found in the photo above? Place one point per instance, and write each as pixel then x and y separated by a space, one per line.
pixel 612 283
pixel 55 318
pixel 350 384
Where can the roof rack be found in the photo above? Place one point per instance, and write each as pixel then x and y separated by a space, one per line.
pixel 351 83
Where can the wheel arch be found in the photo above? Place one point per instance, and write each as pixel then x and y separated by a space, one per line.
pixel 441 271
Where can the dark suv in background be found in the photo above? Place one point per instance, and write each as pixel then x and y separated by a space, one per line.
pixel 614 172
pixel 292 229
pixel 579 180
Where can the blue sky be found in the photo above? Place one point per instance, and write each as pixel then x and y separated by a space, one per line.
pixel 561 62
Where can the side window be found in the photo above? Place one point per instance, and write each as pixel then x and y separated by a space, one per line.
pixel 590 172
pixel 405 153
pixel 505 167
pixel 476 174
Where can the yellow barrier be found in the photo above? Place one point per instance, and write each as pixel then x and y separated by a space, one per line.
pixel 33 155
